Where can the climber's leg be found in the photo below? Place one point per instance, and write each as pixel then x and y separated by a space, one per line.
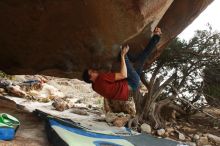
pixel 143 56
pixel 133 78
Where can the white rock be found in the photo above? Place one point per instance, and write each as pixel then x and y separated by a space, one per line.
pixel 161 132
pixel 196 137
pixel 145 128
pixel 214 138
pixel 181 136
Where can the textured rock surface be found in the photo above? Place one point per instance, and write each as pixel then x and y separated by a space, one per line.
pixel 63 37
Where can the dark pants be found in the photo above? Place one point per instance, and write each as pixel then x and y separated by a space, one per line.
pixel 135 73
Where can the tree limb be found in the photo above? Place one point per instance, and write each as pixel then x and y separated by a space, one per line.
pixel 186 101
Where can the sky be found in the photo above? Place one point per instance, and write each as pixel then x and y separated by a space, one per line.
pixel 210 15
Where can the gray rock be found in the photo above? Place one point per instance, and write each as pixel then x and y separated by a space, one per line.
pixel 160 132
pixel 145 128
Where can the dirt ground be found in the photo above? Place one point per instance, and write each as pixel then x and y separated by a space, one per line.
pixel 199 124
pixel 31 131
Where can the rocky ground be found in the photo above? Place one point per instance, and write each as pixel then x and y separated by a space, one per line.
pixel 74 98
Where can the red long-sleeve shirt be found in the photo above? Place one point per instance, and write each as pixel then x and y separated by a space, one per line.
pixel 106 85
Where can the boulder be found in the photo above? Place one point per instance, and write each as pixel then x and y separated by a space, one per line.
pixel 145 128
pixel 61 38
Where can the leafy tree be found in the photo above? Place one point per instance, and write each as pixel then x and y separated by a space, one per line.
pixel 211 89
pixel 175 79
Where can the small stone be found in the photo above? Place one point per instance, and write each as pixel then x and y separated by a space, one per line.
pixel 215 128
pixel 79 112
pixel 196 137
pixel 145 128
pixel 160 132
pixel 60 104
pixel 181 136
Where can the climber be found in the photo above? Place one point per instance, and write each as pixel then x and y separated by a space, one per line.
pixel 117 85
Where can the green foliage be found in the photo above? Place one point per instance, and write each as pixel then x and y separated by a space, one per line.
pixel 4 75
pixel 211 88
pixel 188 60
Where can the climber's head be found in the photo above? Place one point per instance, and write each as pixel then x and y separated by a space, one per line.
pixel 90 75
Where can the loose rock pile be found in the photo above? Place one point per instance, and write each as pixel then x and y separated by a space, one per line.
pixel 198 139
pixel 64 94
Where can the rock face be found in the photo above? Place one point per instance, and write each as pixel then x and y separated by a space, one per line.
pixel 61 38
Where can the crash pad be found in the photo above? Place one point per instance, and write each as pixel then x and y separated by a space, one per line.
pixel 69 133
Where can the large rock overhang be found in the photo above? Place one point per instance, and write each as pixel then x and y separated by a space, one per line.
pixel 61 38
